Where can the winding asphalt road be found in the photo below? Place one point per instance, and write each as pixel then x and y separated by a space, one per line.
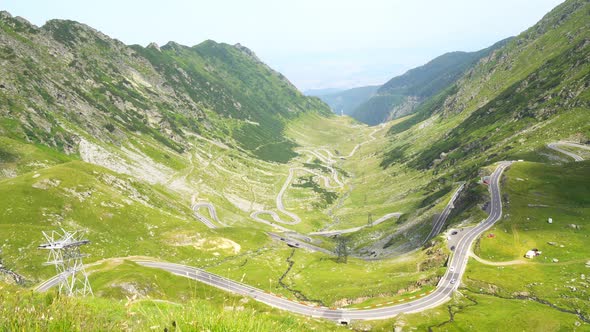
pixel 372 138
pixel 440 221
pixel 298 244
pixel 445 288
pixel 576 157
pixel 279 199
pixel 329 162
pixel 204 219
pixel 356 229
pixel 47 284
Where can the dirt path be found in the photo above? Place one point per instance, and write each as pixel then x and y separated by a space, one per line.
pixel 507 263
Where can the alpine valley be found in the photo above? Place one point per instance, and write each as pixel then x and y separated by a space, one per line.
pixel 216 196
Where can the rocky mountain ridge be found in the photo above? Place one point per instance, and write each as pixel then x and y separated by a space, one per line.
pixel 65 80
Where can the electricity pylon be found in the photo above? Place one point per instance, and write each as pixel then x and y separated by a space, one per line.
pixel 64 253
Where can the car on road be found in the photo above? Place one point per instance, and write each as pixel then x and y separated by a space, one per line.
pixel 344 321
pixel 452 281
pixel 452 248
pixel 454 233
pixel 452 268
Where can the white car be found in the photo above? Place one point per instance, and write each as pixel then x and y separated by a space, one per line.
pixel 452 281
pixel 452 268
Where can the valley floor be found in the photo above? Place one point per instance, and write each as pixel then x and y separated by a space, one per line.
pixel 214 207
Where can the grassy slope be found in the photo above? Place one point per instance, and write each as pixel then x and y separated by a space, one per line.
pixel 487 313
pixel 419 83
pixel 308 276
pixel 213 173
pixel 166 301
pixel 535 193
pixel 120 214
pixel 73 197
pixel 340 136
pixel 236 85
pixel 518 297
pixel 66 75
pixel 510 105
pixel 216 172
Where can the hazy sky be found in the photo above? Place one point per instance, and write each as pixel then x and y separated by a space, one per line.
pixel 315 43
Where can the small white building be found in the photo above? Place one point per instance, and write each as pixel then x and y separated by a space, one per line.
pixel 532 253
pixel 550 220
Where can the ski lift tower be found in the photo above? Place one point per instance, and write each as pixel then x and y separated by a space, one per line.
pixel 64 253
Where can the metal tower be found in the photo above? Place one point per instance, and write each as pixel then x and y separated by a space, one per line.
pixel 64 253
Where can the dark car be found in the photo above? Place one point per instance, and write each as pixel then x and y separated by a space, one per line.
pixel 453 248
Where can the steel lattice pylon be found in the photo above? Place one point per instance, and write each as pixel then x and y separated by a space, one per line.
pixel 64 253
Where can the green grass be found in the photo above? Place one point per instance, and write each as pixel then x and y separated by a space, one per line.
pixel 485 313
pixel 333 283
pixel 584 153
pixel 48 312
pixel 500 111
pixel 259 122
pixel 314 275
pixel 20 157
pixel 121 279
pixel 540 294
pixel 535 193
pixel 77 195
pixel 339 134
pixel 168 158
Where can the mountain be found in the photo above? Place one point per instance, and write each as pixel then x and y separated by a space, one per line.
pixel 345 102
pixel 529 92
pixel 77 80
pixel 204 157
pixel 402 94
pixel 321 92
